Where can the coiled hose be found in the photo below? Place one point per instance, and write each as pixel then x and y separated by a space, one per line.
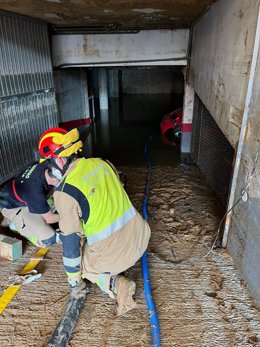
pixel 155 327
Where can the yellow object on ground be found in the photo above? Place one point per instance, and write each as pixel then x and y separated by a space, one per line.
pixel 10 292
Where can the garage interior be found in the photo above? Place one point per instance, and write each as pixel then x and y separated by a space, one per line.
pixel 117 69
pixel 143 96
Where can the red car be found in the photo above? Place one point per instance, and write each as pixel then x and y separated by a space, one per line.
pixel 171 127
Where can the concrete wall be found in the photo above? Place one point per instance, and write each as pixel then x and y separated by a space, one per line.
pixel 153 81
pixel 221 55
pixel 244 235
pixel 221 59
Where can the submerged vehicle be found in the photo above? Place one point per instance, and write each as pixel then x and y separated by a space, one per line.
pixel 171 127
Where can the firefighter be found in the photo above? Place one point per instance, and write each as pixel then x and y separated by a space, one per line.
pixel 24 206
pixel 102 233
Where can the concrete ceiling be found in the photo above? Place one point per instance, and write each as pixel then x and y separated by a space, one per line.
pixel 114 15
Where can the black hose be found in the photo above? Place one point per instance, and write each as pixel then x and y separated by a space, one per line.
pixel 61 335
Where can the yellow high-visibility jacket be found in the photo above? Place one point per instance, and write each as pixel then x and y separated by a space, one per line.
pixel 103 201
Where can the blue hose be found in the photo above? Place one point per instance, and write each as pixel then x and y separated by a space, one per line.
pixel 155 327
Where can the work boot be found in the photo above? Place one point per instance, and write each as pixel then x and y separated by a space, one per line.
pixel 124 290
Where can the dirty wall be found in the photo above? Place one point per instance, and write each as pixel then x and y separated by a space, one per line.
pixel 220 66
pixel 244 236
pixel 222 47
pixel 147 47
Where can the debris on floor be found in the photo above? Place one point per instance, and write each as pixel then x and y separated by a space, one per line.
pixel 199 303
pixel 10 248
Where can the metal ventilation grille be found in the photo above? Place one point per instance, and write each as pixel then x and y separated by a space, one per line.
pixel 22 122
pixel 27 99
pixel 72 94
pixel 196 123
pixel 211 151
pixel 25 62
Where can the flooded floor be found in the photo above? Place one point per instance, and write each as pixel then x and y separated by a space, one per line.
pixel 201 301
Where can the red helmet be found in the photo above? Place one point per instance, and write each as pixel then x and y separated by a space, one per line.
pixel 47 147
pixel 58 142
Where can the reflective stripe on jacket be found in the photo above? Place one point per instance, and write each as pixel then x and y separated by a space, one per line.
pixel 94 184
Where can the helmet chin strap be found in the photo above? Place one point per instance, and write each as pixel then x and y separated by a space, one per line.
pixel 68 162
pixel 52 163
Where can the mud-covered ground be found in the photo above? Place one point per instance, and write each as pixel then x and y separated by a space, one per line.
pixel 200 303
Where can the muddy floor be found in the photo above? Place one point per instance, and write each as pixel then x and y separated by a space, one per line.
pixel 201 301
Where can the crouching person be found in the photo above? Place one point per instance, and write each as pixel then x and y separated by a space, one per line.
pixel 24 206
pixel 93 205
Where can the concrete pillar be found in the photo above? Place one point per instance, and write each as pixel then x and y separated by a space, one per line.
pixel 105 129
pixel 104 113
pixel 114 97
pixel 113 83
pixel 188 106
pixel 103 89
pixel 87 148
